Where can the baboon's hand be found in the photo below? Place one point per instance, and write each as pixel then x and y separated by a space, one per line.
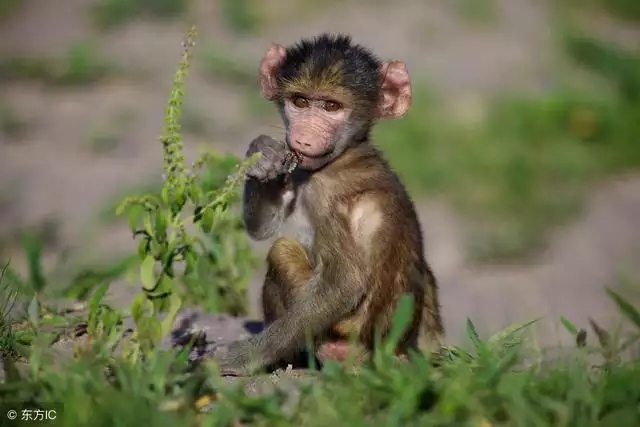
pixel 233 359
pixel 274 159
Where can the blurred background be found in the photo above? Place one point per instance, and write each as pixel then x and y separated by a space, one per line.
pixel 521 148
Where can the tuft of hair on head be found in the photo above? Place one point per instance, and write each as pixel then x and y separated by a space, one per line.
pixel 330 63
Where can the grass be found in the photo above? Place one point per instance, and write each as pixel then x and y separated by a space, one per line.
pixel 81 65
pixel 241 15
pixel 491 381
pixel 527 166
pixel 220 65
pixel 482 12
pixel 108 14
pixel 12 125
pixel 8 8
pixel 625 9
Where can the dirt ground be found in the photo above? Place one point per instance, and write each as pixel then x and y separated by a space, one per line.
pixel 54 173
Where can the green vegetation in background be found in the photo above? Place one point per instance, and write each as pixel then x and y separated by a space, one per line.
pixel 241 15
pixel 12 125
pixel 626 9
pixel 80 66
pixel 621 67
pixel 8 8
pixel 477 11
pixel 219 65
pixel 528 166
pixel 108 14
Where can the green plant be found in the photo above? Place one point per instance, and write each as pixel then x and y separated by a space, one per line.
pixel 80 66
pixel 220 65
pixel 8 8
pixel 112 13
pixel 226 247
pixel 241 15
pixel 477 11
pixel 495 381
pixel 525 168
pixel 620 66
pixel 11 124
pixel 9 344
pixel 626 9
pixel 161 225
pixel 35 282
pixel 85 279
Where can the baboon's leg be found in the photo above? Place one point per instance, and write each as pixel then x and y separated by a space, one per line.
pixel 288 270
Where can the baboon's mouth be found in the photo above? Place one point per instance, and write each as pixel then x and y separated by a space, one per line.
pixel 292 160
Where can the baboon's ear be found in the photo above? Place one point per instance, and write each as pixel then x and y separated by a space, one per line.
pixel 268 69
pixel 395 98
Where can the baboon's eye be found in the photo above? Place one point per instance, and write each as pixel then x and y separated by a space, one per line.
pixel 331 106
pixel 300 102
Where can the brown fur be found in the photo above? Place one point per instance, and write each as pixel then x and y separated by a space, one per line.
pixel 388 258
pixel 363 247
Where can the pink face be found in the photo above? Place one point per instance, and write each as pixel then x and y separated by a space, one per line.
pixel 314 119
pixel 312 124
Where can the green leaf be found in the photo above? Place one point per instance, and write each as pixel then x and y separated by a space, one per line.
pixel 175 303
pixel 150 329
pixel 165 285
pixel 178 199
pixel 220 209
pixel 11 372
pixel 509 332
pixel 473 333
pixel 399 323
pixel 134 217
pixel 148 226
pixel 34 312
pixel 170 253
pixel 143 248
pixel 146 273
pixel 94 303
pixel 139 308
pixel 15 282
pixel 33 248
pixel 164 195
pixel 604 338
pixel 627 309
pixel 207 220
pixel 190 262
pixel 196 192
pixel 197 214
pixel 161 225
pixel 96 299
pixel 157 249
pixel 203 267
pixel 570 326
